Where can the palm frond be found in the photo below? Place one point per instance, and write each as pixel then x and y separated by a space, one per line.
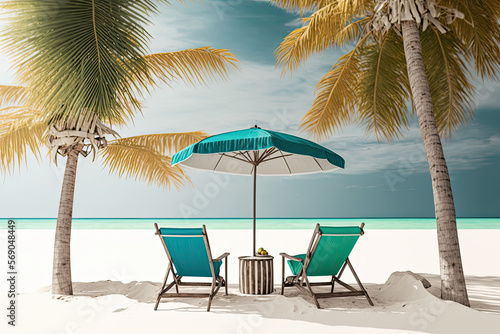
pixel 353 6
pixel 352 32
pixel 450 80
pixel 325 28
pixel 480 31
pixel 13 95
pixel 336 96
pixel 301 5
pixel 191 65
pixel 45 40
pixel 144 164
pixel 384 88
pixel 163 143
pixel 21 130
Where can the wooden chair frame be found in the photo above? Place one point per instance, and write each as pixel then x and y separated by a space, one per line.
pixel 301 280
pixel 217 282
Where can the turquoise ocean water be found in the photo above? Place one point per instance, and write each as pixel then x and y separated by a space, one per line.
pixel 246 223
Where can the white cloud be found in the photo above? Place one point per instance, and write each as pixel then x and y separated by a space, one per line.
pixel 169 30
pixel 257 94
pixel 407 156
pixel 295 23
pixel 254 95
pixel 495 141
pixel 487 93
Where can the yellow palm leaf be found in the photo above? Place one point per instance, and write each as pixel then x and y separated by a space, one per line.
pixel 325 28
pixel 163 143
pixel 191 65
pixel 12 95
pixel 334 104
pixel 302 5
pixel 480 31
pixel 21 129
pixel 354 7
pixel 143 163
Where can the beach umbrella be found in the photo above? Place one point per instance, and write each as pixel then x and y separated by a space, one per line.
pixel 258 151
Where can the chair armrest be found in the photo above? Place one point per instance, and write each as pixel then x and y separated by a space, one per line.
pixel 221 257
pixel 293 258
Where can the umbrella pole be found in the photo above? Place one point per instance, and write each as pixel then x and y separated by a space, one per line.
pixel 254 203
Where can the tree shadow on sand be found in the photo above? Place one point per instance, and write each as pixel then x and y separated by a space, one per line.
pixel 484 291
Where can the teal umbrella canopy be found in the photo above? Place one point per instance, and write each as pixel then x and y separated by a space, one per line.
pixel 258 151
pixel 274 153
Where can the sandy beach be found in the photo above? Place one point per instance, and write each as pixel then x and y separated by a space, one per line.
pixel 304 112
pixel 117 273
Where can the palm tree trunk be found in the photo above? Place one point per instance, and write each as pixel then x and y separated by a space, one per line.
pixel 61 270
pixel 452 277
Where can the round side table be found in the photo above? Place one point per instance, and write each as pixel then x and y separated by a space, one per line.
pixel 256 275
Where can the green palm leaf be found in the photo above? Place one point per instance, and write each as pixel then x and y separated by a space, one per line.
pixel 384 88
pixel 450 81
pixel 108 32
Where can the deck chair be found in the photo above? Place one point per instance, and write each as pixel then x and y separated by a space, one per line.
pixel 327 255
pixel 189 255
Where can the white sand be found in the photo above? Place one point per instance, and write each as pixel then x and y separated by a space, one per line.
pixel 117 275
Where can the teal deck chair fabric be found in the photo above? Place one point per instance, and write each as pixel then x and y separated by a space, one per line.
pixel 327 255
pixel 188 252
pixel 333 249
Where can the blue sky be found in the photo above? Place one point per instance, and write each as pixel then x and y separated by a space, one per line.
pixel 380 179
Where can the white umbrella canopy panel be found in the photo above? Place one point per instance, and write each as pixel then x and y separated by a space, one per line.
pixel 276 162
pixel 258 151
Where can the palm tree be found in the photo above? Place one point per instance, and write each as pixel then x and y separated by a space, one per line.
pixel 402 49
pixel 81 68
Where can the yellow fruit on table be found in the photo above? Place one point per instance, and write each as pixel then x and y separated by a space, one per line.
pixel 260 250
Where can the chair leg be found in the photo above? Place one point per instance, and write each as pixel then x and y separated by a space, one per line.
pixel 282 276
pixel 316 301
pixel 342 270
pixel 359 282
pixel 211 295
pixel 163 286
pixel 368 298
pixel 225 280
pixel 157 302
pixel 338 275
pixel 176 279
pixel 313 295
